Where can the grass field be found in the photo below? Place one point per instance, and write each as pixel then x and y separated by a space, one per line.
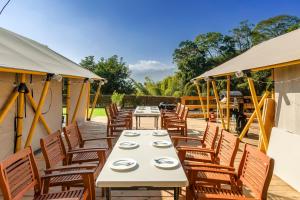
pixel 98 112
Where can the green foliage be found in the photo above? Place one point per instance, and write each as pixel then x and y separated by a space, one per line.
pixel 114 69
pixel 117 98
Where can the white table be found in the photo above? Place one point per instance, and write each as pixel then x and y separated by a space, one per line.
pixel 146 111
pixel 146 175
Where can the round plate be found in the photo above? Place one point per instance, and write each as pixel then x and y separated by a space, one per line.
pixel 131 134
pixel 128 145
pixel 123 164
pixel 165 162
pixel 162 143
pixel 160 133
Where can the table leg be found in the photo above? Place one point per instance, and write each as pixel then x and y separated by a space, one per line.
pixel 157 123
pixel 139 122
pixel 108 193
pixel 136 122
pixel 176 193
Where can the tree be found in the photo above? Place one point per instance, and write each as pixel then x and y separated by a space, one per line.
pixel 273 27
pixel 115 70
pixel 242 36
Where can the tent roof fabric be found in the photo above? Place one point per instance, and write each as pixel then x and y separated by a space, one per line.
pixel 18 52
pixel 282 49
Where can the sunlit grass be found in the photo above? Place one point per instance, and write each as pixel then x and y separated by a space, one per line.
pixel 98 112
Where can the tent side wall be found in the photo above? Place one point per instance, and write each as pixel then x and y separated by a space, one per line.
pixel 52 111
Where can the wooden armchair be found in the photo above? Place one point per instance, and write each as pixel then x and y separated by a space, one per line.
pixel 121 116
pixel 166 113
pixel 179 124
pixel 255 172
pixel 19 175
pixel 115 125
pixel 57 159
pixel 207 143
pixel 123 111
pixel 172 116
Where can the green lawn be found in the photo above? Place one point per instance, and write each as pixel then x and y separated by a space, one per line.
pixel 98 112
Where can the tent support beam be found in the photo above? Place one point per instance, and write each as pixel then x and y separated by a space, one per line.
pixel 88 98
pixel 228 103
pixel 20 114
pixel 68 101
pixel 249 122
pixel 78 101
pixel 200 98
pixel 258 113
pixel 207 100
pixel 38 110
pixel 95 101
pixel 13 97
pixel 213 82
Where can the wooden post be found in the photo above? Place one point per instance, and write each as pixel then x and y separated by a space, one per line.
pixel 88 95
pixel 38 111
pixel 228 103
pixel 247 126
pixel 34 107
pixel 258 113
pixel 95 101
pixel 207 100
pixel 78 101
pixel 200 98
pixel 13 97
pixel 20 114
pixel 213 82
pixel 68 101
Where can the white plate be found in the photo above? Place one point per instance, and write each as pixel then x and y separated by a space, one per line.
pixel 131 134
pixel 162 143
pixel 165 162
pixel 160 133
pixel 123 164
pixel 128 145
pixel 155 111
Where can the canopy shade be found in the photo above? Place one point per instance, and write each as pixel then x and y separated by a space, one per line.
pixel 21 53
pixel 281 51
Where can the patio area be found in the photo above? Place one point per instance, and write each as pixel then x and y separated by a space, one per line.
pixel 278 189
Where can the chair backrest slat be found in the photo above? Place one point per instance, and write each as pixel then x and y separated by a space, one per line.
pixel 19 174
pixel 53 149
pixel 255 171
pixel 73 136
pixel 227 148
pixel 210 136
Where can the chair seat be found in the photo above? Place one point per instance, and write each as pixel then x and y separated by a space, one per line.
pixel 198 156
pixel 212 177
pixel 85 156
pixel 66 180
pixel 70 195
pixel 202 192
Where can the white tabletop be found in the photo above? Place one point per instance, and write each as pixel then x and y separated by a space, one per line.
pixel 147 111
pixel 146 175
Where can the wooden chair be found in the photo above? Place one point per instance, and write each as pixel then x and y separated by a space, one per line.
pixel 19 174
pixel 121 116
pixel 76 145
pixel 207 143
pixel 178 125
pixel 255 173
pixel 173 116
pixel 58 159
pixel 166 113
pixel 123 111
pixel 115 125
pixel 223 158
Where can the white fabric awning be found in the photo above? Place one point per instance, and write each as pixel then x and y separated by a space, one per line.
pixel 18 52
pixel 280 50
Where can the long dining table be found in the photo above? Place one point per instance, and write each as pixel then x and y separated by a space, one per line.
pixel 146 175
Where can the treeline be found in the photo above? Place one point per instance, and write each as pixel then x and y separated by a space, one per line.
pixel 194 57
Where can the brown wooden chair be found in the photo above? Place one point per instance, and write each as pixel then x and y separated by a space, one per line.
pixel 207 143
pixel 19 175
pixel 168 113
pixel 178 125
pixel 121 116
pixel 255 173
pixel 115 125
pixel 76 145
pixel 223 158
pixel 173 116
pixel 58 159
pixel 122 111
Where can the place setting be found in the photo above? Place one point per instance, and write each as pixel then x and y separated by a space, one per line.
pixel 128 145
pixel 160 133
pixel 162 143
pixel 165 162
pixel 123 164
pixel 131 134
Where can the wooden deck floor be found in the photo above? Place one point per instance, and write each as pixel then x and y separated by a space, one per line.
pixel 278 189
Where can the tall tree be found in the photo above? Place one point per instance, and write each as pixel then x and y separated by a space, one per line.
pixel 242 36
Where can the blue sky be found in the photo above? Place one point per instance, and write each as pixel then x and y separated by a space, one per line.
pixel 144 32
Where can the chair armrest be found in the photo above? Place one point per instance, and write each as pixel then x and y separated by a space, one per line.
pixel 68 173
pixel 71 167
pixel 198 149
pixel 188 163
pixel 104 138
pixel 207 169
pixel 75 151
pixel 185 138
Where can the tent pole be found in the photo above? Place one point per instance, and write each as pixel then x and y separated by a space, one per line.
pixel 95 101
pixel 260 105
pixel 213 82
pixel 258 113
pixel 20 114
pixel 88 96
pixel 78 101
pixel 68 101
pixel 207 100
pixel 34 107
pixel 228 103
pixel 13 97
pixel 38 110
pixel 200 98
